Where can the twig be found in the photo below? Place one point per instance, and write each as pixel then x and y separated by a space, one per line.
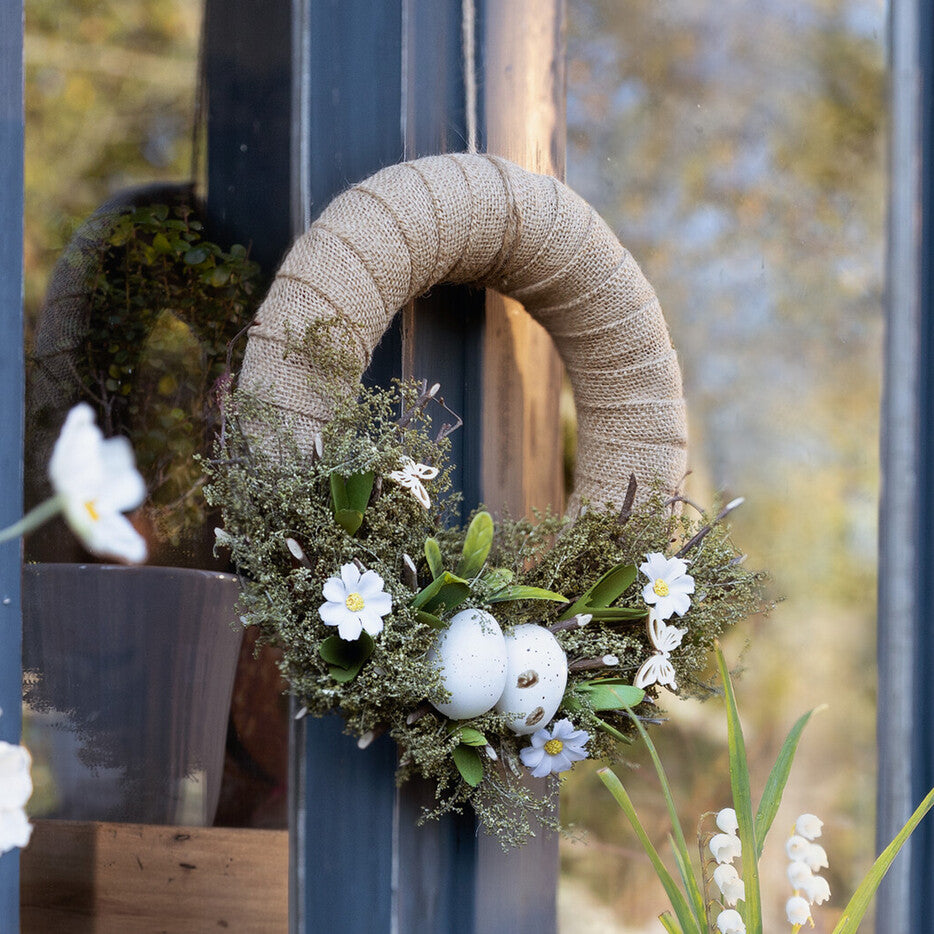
pixel 701 534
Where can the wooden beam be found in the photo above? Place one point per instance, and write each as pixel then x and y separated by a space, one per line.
pixel 95 878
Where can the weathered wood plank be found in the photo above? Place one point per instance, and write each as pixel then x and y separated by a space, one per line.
pixel 95 878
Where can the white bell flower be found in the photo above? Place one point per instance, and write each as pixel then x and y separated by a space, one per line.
pixel 725 847
pixel 808 826
pixel 669 585
pixel 411 476
pixel 726 820
pixel 355 603
pixel 796 847
pixel 798 874
pixel 730 921
pixel 797 910
pixel 816 857
pixel 732 888
pixel 95 480
pixel 817 889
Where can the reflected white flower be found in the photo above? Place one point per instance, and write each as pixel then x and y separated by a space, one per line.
pixel 411 476
pixel 669 584
pixel 730 921
pixel 726 820
pixel 15 789
pixel 555 750
pixel 355 603
pixel 732 888
pixel 725 847
pixel 808 826
pixel 657 668
pixel 797 910
pixel 95 480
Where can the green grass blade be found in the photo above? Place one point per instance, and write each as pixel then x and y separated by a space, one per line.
pixel 668 923
pixel 742 802
pixel 679 845
pixel 775 786
pixel 857 905
pixel 678 902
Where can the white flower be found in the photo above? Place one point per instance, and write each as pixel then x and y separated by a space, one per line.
pixel 730 921
pixel 411 477
pixel 732 888
pixel 555 751
pixel 96 480
pixel 816 857
pixel 808 826
pixel 657 668
pixel 726 820
pixel 669 584
pixel 355 602
pixel 797 910
pixel 15 789
pixel 817 889
pixel 725 847
pixel 796 847
pixel 798 874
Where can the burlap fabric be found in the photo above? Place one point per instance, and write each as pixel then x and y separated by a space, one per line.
pixel 480 219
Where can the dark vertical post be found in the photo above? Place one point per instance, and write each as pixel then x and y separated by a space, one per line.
pixel 11 400
pixel 906 558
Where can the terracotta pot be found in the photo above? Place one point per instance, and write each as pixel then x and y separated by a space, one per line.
pixel 128 674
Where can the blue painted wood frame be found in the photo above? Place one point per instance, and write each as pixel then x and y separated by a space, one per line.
pixel 11 402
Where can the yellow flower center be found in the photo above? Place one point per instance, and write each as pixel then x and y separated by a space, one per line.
pixel 92 512
pixel 354 602
pixel 661 588
pixel 553 747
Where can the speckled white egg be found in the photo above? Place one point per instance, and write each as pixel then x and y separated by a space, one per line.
pixel 536 676
pixel 471 657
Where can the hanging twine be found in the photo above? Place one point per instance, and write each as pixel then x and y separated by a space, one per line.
pixel 469 218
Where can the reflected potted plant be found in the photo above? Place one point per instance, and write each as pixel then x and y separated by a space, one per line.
pixel 129 670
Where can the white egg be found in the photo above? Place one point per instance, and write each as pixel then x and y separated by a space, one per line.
pixel 471 657
pixel 536 676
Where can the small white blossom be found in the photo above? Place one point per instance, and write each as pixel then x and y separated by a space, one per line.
pixel 554 751
pixel 796 847
pixel 355 603
pixel 669 584
pixel 816 857
pixel 808 826
pixel 732 888
pixel 726 820
pixel 730 921
pixel 797 910
pixel 15 789
pixel 725 847
pixel 96 480
pixel 817 889
pixel 411 476
pixel 798 873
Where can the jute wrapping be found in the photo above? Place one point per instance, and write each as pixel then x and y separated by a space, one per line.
pixel 479 219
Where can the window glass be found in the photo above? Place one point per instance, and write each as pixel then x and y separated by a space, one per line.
pixel 737 150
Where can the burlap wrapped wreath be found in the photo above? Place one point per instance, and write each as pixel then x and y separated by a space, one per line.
pixel 498 651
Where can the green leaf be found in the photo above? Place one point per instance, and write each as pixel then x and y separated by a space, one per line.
pixel 678 902
pixel 497 578
pixel 616 734
pixel 471 737
pixel 446 591
pixel 866 890
pixel 477 543
pixel 429 619
pixel 775 786
pixel 669 923
pixel 160 243
pixel 469 764
pixel 608 588
pixel 519 592
pixel 433 556
pixel 350 496
pixel 346 658
pixel 679 844
pixel 618 614
pixel 605 696
pixel 742 799
pixel 195 255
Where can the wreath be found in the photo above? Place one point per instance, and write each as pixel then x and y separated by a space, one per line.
pixel 499 653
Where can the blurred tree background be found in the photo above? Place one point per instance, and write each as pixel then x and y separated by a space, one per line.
pixel 737 148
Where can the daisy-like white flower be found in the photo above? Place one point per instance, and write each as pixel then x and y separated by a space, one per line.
pixel 411 476
pixel 355 603
pixel 15 789
pixel 732 888
pixel 657 668
pixel 555 750
pixel 725 847
pixel 726 820
pixel 730 921
pixel 817 889
pixel 669 584
pixel 797 910
pixel 95 480
pixel 808 826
